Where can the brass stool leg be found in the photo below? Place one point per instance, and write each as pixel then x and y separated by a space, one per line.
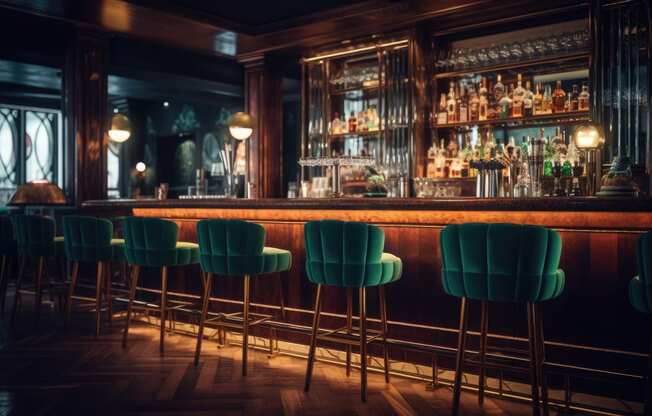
pixel 135 271
pixel 19 281
pixel 459 362
pixel 313 338
pixel 484 322
pixel 542 359
pixel 349 325
pixel 71 291
pixel 204 312
pixel 38 295
pixel 98 299
pixel 534 362
pixel 108 296
pixel 363 344
pixel 164 298
pixel 281 294
pixel 383 319
pixel 245 324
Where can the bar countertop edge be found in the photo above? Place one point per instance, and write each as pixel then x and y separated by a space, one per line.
pixel 408 204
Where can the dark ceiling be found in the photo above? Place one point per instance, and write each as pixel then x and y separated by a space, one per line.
pixel 253 16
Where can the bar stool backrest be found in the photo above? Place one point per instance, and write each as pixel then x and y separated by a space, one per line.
pixel 231 247
pixel 7 236
pixel 150 242
pixel 501 262
pixel 345 254
pixel 87 239
pixel 34 235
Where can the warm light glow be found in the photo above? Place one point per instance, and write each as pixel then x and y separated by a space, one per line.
pixel 241 133
pixel 39 181
pixel 357 50
pixel 241 126
pixel 120 129
pixel 140 167
pixel 589 137
pixel 119 136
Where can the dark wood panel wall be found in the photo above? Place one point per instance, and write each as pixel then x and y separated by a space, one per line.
pixel 85 94
pixel 263 100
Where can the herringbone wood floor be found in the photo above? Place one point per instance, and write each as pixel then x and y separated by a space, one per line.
pixel 49 371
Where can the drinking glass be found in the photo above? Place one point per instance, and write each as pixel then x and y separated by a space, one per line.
pixel 505 53
pixel 528 49
pixel 540 46
pixel 515 49
pixel 460 60
pixel 472 58
pixel 483 56
pixel 553 44
pixel 494 53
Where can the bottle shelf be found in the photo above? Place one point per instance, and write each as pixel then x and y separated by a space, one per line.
pixel 344 91
pixel 556 118
pixel 561 59
pixel 371 133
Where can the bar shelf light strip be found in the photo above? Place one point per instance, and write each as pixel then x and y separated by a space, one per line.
pixel 399 43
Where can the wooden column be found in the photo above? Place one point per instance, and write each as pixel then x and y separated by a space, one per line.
pixel 263 100
pixel 85 92
pixel 420 50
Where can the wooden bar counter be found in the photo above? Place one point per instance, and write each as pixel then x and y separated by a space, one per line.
pixel 599 246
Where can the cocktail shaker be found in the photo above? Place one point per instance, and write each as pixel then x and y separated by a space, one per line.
pixel 535 165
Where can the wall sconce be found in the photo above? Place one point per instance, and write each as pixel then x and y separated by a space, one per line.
pixel 120 130
pixel 590 138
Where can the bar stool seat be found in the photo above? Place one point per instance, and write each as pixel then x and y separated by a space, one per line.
pixel 182 254
pixel 502 263
pixel 236 248
pixel 349 255
pixel 35 237
pixel 90 240
pixel 152 242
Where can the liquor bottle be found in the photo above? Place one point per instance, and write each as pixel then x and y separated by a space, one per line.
pixel 451 104
pixel 527 101
pixel 492 106
pixel 442 114
pixel 474 105
pixel 558 99
pixel 353 123
pixel 583 99
pixel 373 120
pixel 499 89
pixel 546 103
pixel 518 95
pixel 483 101
pixel 537 101
pixel 463 105
pixel 336 127
pixel 574 99
pixel 505 105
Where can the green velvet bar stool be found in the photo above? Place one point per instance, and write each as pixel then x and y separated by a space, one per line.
pixel 8 251
pixel 35 240
pixel 349 255
pixel 640 296
pixel 501 263
pixel 90 240
pixel 236 248
pixel 152 242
